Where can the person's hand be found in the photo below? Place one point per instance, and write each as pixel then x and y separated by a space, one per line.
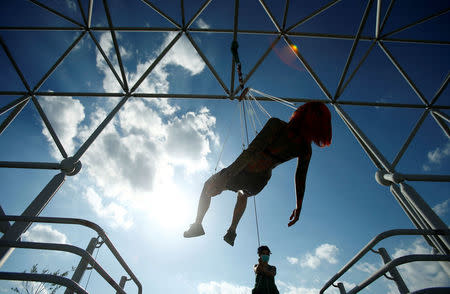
pixel 294 217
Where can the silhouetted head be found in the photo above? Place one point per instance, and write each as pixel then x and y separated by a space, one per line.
pixel 263 250
pixel 312 121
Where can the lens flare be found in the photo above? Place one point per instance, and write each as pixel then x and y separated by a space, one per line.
pixel 294 47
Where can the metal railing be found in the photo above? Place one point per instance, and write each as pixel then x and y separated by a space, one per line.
pixel 391 264
pixel 69 248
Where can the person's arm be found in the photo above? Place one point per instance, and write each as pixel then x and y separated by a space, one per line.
pixel 265 269
pixel 300 182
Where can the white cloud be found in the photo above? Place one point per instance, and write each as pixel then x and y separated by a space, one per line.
pixel 366 267
pixel 292 260
pixel 222 288
pixel 44 233
pixel 419 275
pixel 437 156
pixel 71 4
pixel 289 288
pixel 442 208
pixel 65 114
pixel 202 24
pixel 325 252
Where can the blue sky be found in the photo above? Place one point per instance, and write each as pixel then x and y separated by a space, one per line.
pixel 142 177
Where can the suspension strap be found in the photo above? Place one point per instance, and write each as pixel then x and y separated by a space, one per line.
pixel 234 51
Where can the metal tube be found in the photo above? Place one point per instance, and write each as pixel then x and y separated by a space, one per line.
pixel 4 225
pixel 428 42
pixel 37 28
pixel 12 116
pixel 426 212
pixel 49 127
pixel 107 60
pixel 83 15
pixel 403 73
pixel 308 68
pixel 286 7
pixel 14 64
pixel 57 63
pixel 197 14
pixel 91 6
pixel 183 23
pixel 417 22
pixel 354 45
pixel 211 68
pixel 442 115
pixel 65 248
pixel 394 272
pixel 157 10
pixel 356 69
pixel 84 94
pixel 376 240
pixel 82 265
pixel 157 60
pixel 33 209
pixel 377 19
pixel 386 16
pixel 315 13
pixel 56 13
pixel 30 165
pixel 122 282
pixel 442 124
pixel 441 89
pixel 373 150
pixel 82 222
pixel 409 139
pixel 116 46
pixel 396 262
pixel 341 288
pixel 14 103
pixel 99 129
pixel 270 15
pixel 235 31
pixel 258 63
pixel 46 278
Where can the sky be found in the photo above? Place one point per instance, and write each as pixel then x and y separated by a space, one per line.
pixel 141 178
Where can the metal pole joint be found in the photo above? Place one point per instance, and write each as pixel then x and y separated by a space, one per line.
pixel 70 166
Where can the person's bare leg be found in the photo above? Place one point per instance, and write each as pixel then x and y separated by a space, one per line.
pixel 203 206
pixel 239 208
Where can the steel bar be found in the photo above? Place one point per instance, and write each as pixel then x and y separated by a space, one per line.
pixel 46 278
pixel 14 64
pixel 403 73
pixel 33 209
pixel 412 214
pixel 91 6
pixel 56 13
pixel 341 288
pixel 235 31
pixel 396 262
pixel 377 19
pixel 426 212
pixel 409 139
pixel 197 14
pixel 417 22
pixel 425 178
pixel 308 68
pixel 386 16
pixel 373 150
pixel 286 7
pixel 65 248
pixel 441 89
pixel 183 22
pixel 376 240
pixel 157 10
pixel 122 282
pixel 4 225
pixel 82 222
pixel 39 28
pixel 314 14
pixel 442 115
pixel 82 265
pixel 58 62
pixel 116 46
pixel 105 57
pixel 258 63
pixel 155 63
pixel 270 15
pixel 12 116
pixel 354 45
pixel 396 277
pixel 99 129
pixel 428 42
pixel 14 103
pixel 49 127
pixel 211 68
pixel 82 94
pixel 442 124
pixel 83 15
pixel 30 165
pixel 356 69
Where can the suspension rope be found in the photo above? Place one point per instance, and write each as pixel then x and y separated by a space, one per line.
pixel 224 142
pixel 280 100
pixel 98 246
pixel 259 105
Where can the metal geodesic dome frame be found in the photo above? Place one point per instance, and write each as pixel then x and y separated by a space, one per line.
pixel 414 206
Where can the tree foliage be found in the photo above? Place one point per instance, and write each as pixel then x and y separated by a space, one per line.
pixel 30 287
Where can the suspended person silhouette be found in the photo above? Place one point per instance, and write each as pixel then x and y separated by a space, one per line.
pixel 265 273
pixel 277 143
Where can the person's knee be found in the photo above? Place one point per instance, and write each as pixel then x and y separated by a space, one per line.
pixel 242 195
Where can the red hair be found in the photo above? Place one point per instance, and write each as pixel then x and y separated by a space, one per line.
pixel 312 121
